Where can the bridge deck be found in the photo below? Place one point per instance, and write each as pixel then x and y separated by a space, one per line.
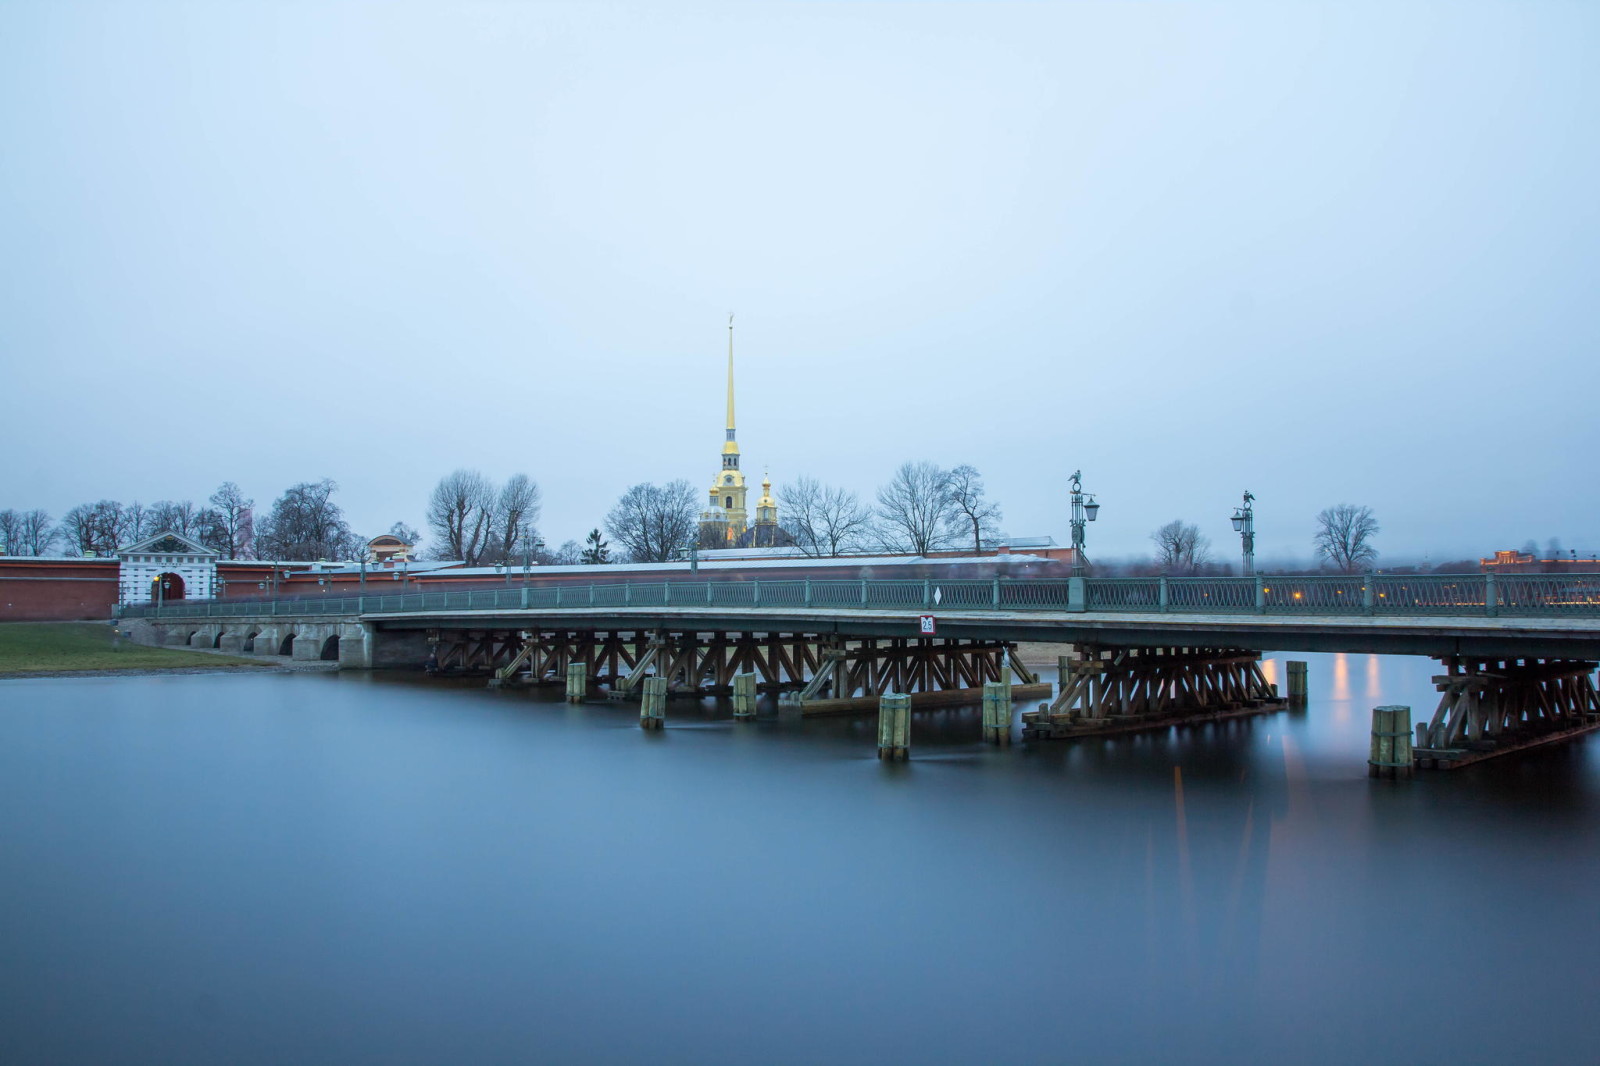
pixel 1416 635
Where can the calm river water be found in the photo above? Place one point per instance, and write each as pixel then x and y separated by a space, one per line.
pixel 351 869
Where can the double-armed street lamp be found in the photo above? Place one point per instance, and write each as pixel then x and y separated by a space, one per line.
pixel 1244 523
pixel 1083 512
pixel 691 550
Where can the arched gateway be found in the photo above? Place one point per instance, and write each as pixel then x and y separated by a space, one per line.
pixel 167 566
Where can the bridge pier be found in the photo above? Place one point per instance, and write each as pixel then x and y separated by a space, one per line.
pixel 997 712
pixel 1490 707
pixel 894 726
pixel 653 708
pixel 1391 743
pixel 1121 690
pixel 744 696
pixel 355 646
pixel 1296 676
pixel 577 682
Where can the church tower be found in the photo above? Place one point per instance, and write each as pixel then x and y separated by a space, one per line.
pixel 723 523
pixel 766 531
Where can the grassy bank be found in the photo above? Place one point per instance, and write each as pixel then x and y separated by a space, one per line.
pixel 52 647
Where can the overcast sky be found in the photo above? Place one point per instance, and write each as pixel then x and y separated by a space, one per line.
pixel 1325 252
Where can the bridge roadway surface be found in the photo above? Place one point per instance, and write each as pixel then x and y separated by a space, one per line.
pixel 1435 635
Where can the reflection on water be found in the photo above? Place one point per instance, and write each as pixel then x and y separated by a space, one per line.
pixel 1341 676
pixel 345 868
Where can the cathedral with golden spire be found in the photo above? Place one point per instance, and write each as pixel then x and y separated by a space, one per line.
pixel 726 521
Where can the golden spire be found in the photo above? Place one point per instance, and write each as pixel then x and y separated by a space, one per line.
pixel 730 375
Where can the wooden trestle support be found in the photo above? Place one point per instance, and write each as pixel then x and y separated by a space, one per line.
pixel 1122 690
pixel 1490 707
pixel 819 674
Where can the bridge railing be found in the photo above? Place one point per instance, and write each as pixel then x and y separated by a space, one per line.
pixel 1316 594
pixel 1211 595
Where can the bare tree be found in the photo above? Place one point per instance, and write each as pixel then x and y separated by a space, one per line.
pixel 210 528
pixel 305 523
pixel 136 522
pixel 972 510
pixel 915 510
pixel 94 527
pixel 653 523
pixel 516 517
pixel 10 532
pixel 569 554
pixel 78 529
pixel 824 520
pixel 1344 536
pixel 461 515
pixel 168 516
pixel 1180 547
pixel 35 533
pixel 237 519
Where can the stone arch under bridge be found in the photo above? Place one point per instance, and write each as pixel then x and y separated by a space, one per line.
pixel 347 643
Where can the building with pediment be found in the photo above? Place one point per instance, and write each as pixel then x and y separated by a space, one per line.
pixel 167 566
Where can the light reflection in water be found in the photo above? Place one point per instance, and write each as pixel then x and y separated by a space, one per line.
pixel 1341 689
pixel 1374 687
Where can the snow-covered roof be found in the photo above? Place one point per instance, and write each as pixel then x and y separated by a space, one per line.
pixel 412 566
pixel 599 572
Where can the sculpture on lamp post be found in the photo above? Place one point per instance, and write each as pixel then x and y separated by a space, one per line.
pixel 1084 511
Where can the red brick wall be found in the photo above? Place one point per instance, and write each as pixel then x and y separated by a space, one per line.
pixel 35 590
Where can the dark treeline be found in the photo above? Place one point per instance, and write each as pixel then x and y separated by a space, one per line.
pixel 303 523
pixel 922 508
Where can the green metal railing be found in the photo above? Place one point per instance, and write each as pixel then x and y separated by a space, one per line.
pixel 1374 594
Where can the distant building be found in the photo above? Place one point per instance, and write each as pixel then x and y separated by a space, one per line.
pixel 725 523
pixel 1515 562
pixel 388 547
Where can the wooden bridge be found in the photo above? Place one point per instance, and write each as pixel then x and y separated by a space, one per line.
pixel 1145 651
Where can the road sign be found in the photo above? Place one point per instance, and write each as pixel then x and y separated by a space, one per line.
pixel 925 625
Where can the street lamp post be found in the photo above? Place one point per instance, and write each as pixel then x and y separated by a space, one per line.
pixel 693 548
pixel 1084 511
pixel 1244 523
pixel 528 550
pixel 161 593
